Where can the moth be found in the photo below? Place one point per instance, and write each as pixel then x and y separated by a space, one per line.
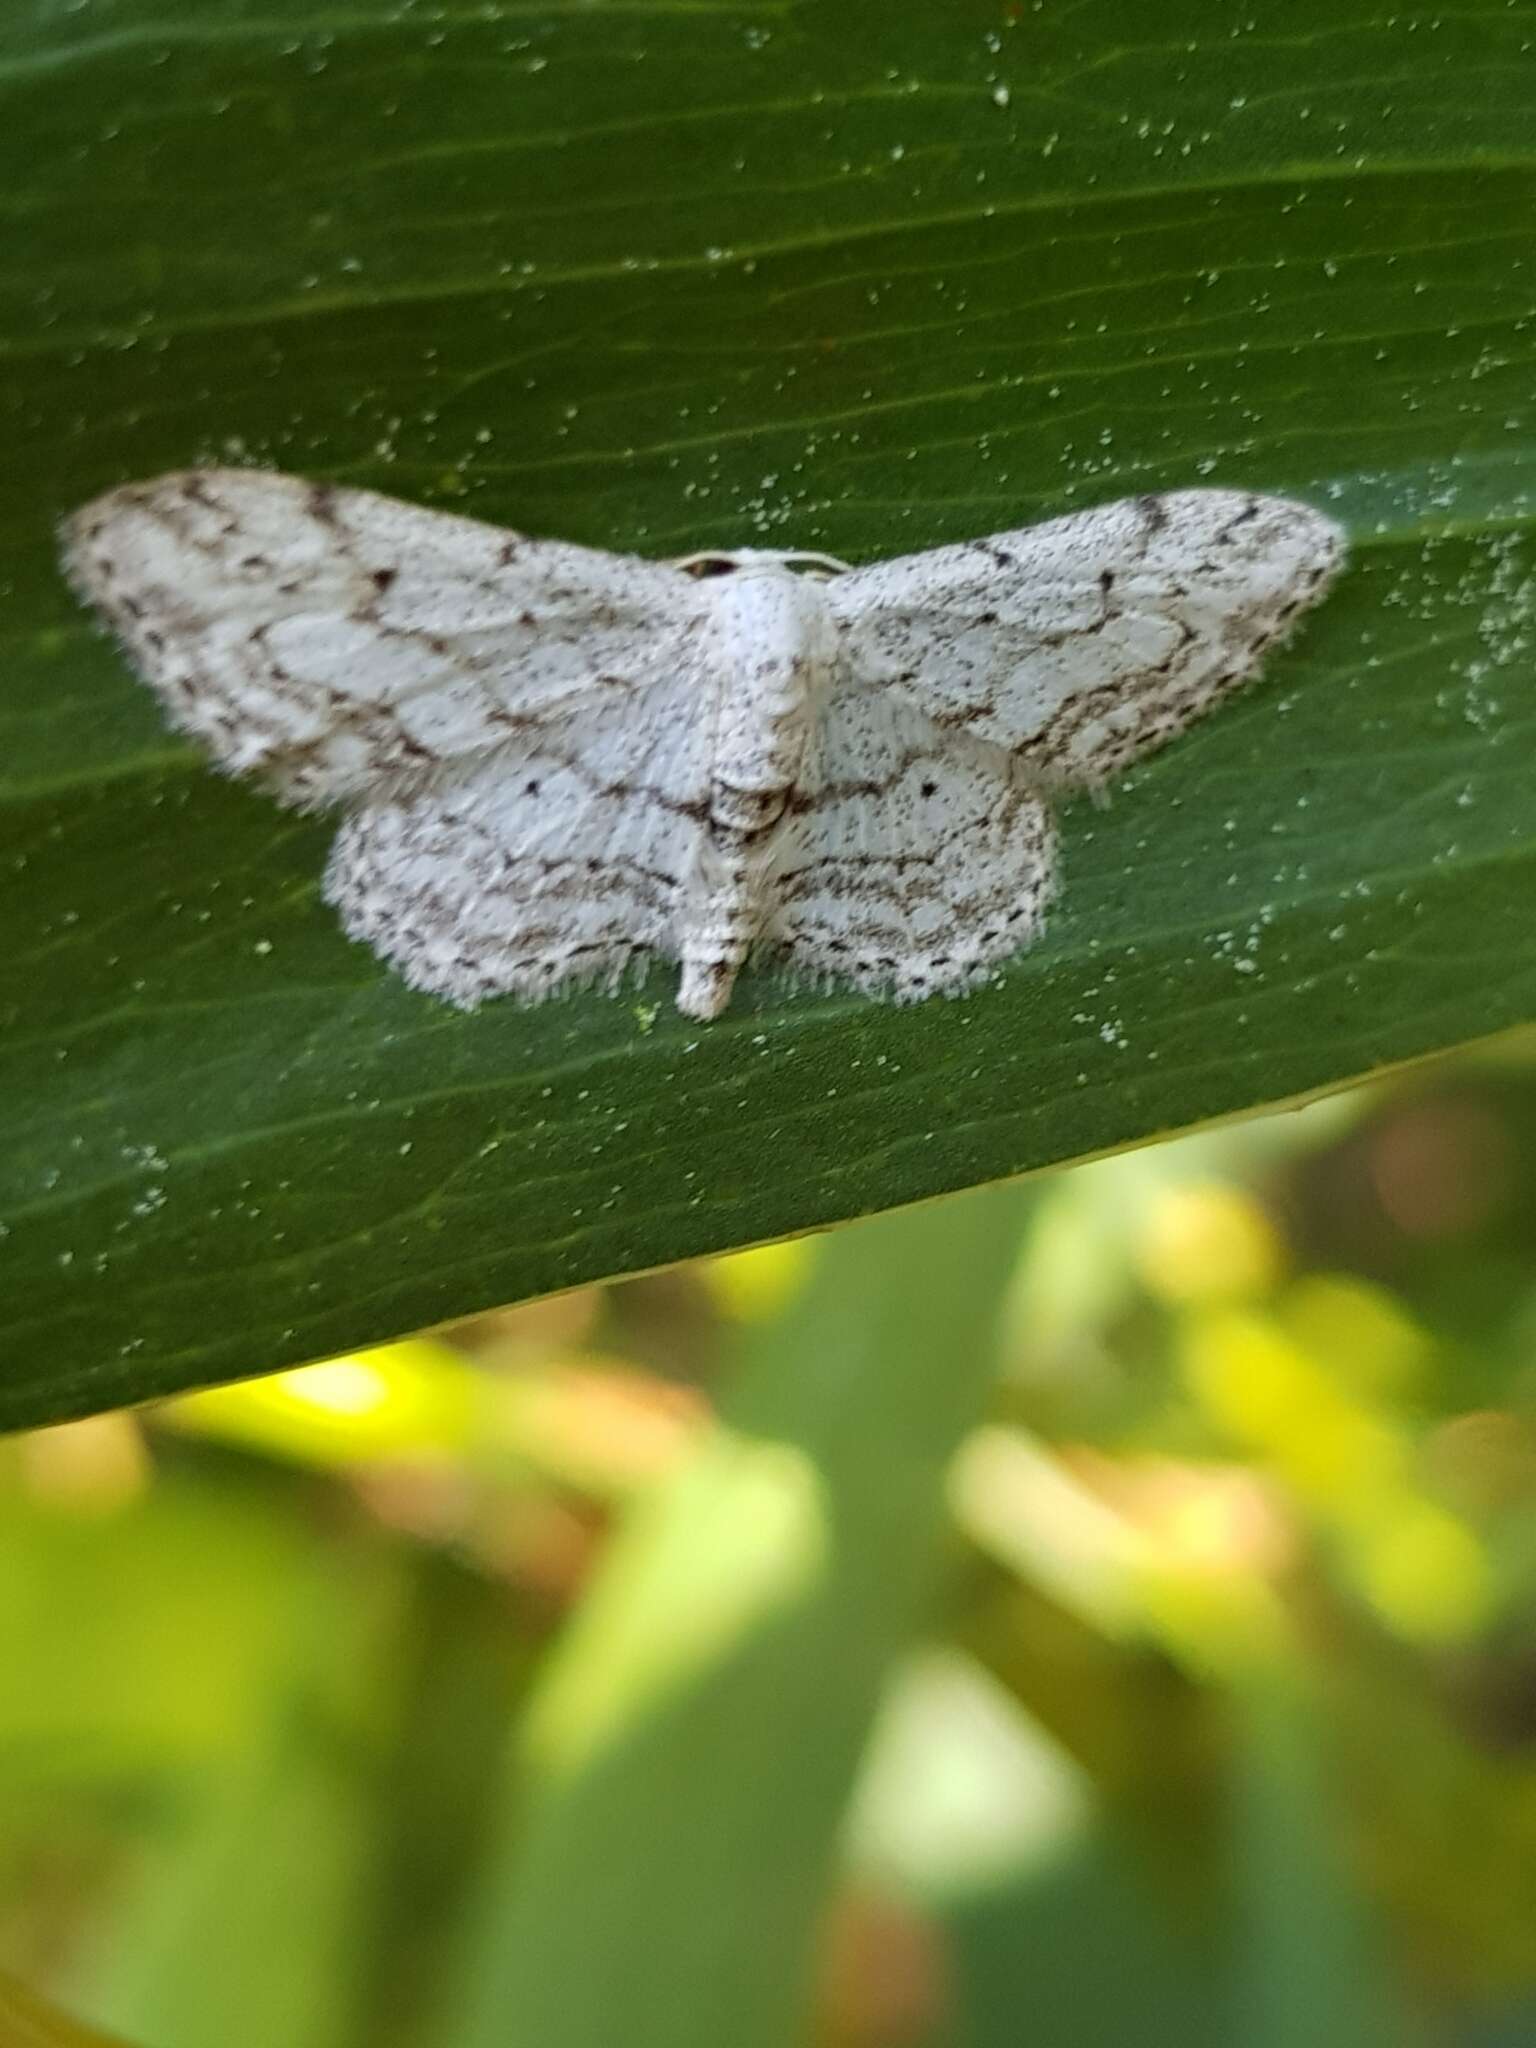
pixel 552 762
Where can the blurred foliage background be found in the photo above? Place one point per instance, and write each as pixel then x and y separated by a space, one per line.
pixel 575 1676
pixel 1095 1608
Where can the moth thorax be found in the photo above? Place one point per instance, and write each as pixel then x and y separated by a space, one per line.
pixel 778 646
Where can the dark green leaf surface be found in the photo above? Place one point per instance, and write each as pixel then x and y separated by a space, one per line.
pixel 855 277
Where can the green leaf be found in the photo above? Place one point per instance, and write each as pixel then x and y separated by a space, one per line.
pixel 1316 1961
pixel 246 1926
pixel 702 1721
pixel 861 278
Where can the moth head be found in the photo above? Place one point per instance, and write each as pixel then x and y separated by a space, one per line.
pixel 759 561
pixel 709 565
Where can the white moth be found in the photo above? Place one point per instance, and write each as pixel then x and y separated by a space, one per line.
pixel 554 761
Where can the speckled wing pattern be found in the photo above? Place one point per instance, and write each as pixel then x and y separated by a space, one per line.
pixel 329 641
pixel 1079 645
pixel 922 859
pixel 555 762
pixel 489 709
pixel 981 679
pixel 542 863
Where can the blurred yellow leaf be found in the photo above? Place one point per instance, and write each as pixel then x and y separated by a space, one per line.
pixel 1208 1242
pixel 1365 1336
pixel 1272 1396
pixel 754 1285
pixel 1427 1575
pixel 398 1400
